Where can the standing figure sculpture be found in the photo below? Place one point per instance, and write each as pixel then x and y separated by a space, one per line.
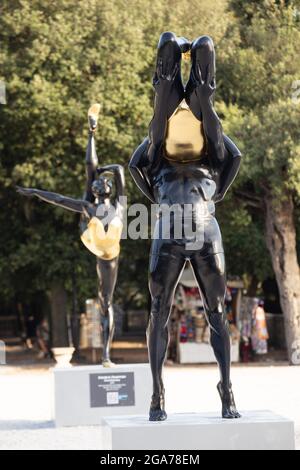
pixel 187 162
pixel 101 225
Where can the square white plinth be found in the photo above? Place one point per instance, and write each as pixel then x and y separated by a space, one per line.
pixel 85 394
pixel 256 430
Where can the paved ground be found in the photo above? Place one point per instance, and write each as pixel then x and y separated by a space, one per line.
pixel 26 420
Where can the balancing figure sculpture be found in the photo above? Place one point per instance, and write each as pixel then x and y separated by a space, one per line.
pixel 186 163
pixel 101 225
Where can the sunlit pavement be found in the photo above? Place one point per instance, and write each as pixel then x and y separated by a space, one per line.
pixel 26 420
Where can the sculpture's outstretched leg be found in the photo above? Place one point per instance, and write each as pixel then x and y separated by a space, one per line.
pixel 165 270
pixel 210 274
pixel 203 57
pixel 107 271
pixel 169 92
pixel 168 60
pixel 91 159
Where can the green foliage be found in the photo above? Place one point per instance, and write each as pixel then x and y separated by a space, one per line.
pixel 58 57
pixel 260 112
pixel 263 67
pixel 263 73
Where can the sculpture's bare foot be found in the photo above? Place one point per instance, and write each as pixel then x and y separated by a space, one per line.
pixel 157 408
pixel 157 415
pixel 93 114
pixel 108 363
pixel 229 410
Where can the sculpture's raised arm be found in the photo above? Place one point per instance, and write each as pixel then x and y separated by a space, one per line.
pixel 138 169
pixel 230 169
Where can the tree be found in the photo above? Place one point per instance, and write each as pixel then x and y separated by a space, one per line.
pixel 266 122
pixel 56 59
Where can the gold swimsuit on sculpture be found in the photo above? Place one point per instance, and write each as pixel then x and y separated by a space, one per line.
pixel 103 243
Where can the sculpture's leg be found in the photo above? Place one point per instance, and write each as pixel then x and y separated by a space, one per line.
pixel 169 91
pixel 210 274
pixel 203 56
pixel 107 271
pixel 169 55
pixel 91 159
pixel 165 270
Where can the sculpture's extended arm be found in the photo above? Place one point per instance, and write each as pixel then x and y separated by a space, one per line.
pixel 211 122
pixel 230 168
pixel 138 169
pixel 69 203
pixel 118 172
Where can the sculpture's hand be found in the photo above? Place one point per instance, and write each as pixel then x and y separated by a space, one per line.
pixel 29 192
pixel 106 169
pixel 164 79
pixel 100 171
pixel 89 211
pixel 205 87
pixel 218 198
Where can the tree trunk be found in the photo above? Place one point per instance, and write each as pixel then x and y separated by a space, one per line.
pixel 59 324
pixel 281 242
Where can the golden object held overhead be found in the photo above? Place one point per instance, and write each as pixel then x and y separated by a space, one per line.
pixel 186 56
pixel 184 140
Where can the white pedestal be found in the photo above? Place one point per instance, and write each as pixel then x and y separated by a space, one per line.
pixel 202 353
pixel 256 430
pixel 85 394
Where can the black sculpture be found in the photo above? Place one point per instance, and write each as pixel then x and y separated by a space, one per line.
pixel 186 159
pixel 101 225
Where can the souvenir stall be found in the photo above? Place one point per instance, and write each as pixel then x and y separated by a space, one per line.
pixel 190 334
pixel 253 327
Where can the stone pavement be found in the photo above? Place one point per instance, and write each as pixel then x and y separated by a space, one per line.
pixel 26 420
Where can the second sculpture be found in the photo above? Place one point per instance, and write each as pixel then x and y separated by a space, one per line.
pixel 100 225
